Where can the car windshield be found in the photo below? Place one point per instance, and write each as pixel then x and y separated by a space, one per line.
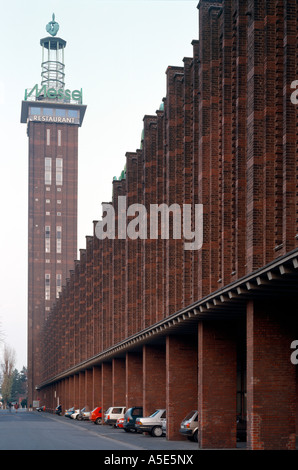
pixel 190 415
pixel 155 413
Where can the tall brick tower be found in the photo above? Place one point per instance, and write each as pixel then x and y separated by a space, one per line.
pixel 53 115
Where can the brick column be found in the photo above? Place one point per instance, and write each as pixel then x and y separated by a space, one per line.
pixel 96 387
pixel 60 392
pixel 88 389
pixel 82 398
pixel 154 378
pixel 118 381
pixel 181 381
pixel 271 377
pixel 69 393
pixel 134 380
pixel 65 393
pixel 76 392
pixel 106 386
pixel 217 385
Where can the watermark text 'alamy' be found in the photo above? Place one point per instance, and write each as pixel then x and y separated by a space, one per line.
pixel 133 222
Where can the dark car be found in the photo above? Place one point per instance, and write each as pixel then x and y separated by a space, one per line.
pixel 130 418
pixel 69 412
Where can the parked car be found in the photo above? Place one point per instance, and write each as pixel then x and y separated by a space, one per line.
pixel 130 418
pixel 164 427
pixel 76 414
pixel 189 426
pixel 41 408
pixel 84 414
pixel 119 423
pixel 96 415
pixel 152 423
pixel 113 413
pixel 69 412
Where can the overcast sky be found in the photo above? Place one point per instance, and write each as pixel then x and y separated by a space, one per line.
pixel 117 52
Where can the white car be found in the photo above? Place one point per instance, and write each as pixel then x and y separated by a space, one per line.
pixel 113 413
pixel 75 414
pixel 84 414
pixel 153 423
pixel 189 426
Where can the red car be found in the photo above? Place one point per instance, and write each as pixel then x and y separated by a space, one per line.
pixel 96 415
pixel 119 423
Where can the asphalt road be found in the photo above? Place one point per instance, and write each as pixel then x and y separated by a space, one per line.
pixel 24 430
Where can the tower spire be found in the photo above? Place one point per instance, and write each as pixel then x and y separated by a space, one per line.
pixel 52 66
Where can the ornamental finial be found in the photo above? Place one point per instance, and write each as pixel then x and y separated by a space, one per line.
pixel 52 27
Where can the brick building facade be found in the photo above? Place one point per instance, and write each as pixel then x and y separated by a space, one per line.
pixel 146 321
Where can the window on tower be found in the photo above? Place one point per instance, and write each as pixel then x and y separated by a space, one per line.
pixel 48 137
pixel 61 112
pixel 48 111
pixel 47 239
pixel 58 239
pixel 58 284
pixel 47 286
pixel 59 138
pixel 59 171
pixel 48 171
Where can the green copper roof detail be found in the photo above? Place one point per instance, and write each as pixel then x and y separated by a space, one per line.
pixel 52 27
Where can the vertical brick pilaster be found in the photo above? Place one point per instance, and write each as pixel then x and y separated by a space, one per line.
pixel 271 379
pixel 69 392
pixel 134 379
pixel 82 398
pixel 154 378
pixel 118 382
pixel 217 385
pixel 88 389
pixel 96 388
pixel 76 392
pixel 181 381
pixel 106 386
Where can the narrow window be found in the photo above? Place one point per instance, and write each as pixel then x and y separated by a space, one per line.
pixel 48 171
pixel 59 138
pixel 58 285
pixel 47 239
pixel 47 286
pixel 48 136
pixel 59 171
pixel 58 239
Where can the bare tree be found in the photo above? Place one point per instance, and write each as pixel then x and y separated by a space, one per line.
pixel 7 368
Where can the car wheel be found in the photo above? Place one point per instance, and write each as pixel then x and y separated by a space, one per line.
pixel 195 436
pixel 98 421
pixel 156 431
